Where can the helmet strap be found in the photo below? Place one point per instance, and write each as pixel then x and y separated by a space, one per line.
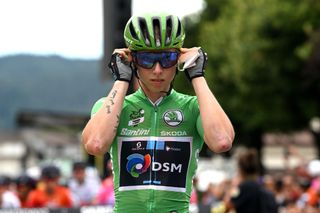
pixel 171 84
pixel 134 70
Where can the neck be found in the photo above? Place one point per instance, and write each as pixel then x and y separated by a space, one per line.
pixel 250 177
pixel 152 95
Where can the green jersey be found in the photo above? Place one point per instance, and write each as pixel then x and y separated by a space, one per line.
pixel 155 152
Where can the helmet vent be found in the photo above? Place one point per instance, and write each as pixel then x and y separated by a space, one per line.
pixel 144 30
pixel 133 32
pixel 179 29
pixel 157 32
pixel 168 30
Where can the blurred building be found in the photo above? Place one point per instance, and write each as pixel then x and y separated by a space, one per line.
pixel 41 137
pixel 12 152
pixel 287 151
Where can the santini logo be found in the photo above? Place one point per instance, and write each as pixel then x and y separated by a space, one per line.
pixel 136 132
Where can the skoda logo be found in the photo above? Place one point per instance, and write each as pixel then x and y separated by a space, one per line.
pixel 173 117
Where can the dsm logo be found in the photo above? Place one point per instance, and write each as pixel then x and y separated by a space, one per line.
pixel 173 117
pixel 138 164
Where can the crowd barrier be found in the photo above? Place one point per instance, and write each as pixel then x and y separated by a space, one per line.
pixel 88 209
pixel 91 209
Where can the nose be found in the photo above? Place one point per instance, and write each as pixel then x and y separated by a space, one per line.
pixel 157 69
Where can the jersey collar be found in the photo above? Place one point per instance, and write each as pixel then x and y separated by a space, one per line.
pixel 141 94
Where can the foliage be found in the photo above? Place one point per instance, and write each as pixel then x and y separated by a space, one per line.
pixel 259 61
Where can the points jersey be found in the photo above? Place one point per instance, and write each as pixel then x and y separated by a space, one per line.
pixel 155 152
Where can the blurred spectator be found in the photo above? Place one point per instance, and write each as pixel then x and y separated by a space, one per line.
pixel 247 195
pixel 313 191
pixel 291 189
pixel 279 193
pixel 83 190
pixel 106 192
pixel 25 185
pixel 212 185
pixel 8 200
pixel 269 183
pixel 303 197
pixel 49 193
pixel 194 195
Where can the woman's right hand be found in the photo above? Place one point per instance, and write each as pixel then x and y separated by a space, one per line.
pixel 120 65
pixel 125 54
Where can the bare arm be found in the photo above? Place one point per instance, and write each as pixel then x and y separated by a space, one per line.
pixel 218 130
pixel 100 131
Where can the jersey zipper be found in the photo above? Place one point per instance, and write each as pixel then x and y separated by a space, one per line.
pixel 154 128
pixel 155 117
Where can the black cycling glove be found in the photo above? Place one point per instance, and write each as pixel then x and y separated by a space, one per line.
pixel 198 69
pixel 121 69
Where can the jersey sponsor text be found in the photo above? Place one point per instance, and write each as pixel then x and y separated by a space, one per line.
pixel 136 132
pixel 166 167
pixel 173 133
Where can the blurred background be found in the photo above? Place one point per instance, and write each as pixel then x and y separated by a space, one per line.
pixel 264 68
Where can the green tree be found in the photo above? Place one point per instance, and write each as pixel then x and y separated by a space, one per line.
pixel 263 63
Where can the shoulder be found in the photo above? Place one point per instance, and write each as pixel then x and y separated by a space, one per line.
pixel 135 99
pixel 249 185
pixel 182 95
pixel 267 195
pixel 72 184
pixel 63 189
pixel 97 105
pixel 184 98
pixel 36 193
pixel 246 189
pixel 134 96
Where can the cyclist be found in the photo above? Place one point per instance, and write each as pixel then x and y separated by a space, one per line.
pixel 155 134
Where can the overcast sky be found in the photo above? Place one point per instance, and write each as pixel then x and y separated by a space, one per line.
pixel 70 28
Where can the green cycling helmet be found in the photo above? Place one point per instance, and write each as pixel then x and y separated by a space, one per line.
pixel 152 31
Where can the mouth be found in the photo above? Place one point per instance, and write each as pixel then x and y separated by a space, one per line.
pixel 157 80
